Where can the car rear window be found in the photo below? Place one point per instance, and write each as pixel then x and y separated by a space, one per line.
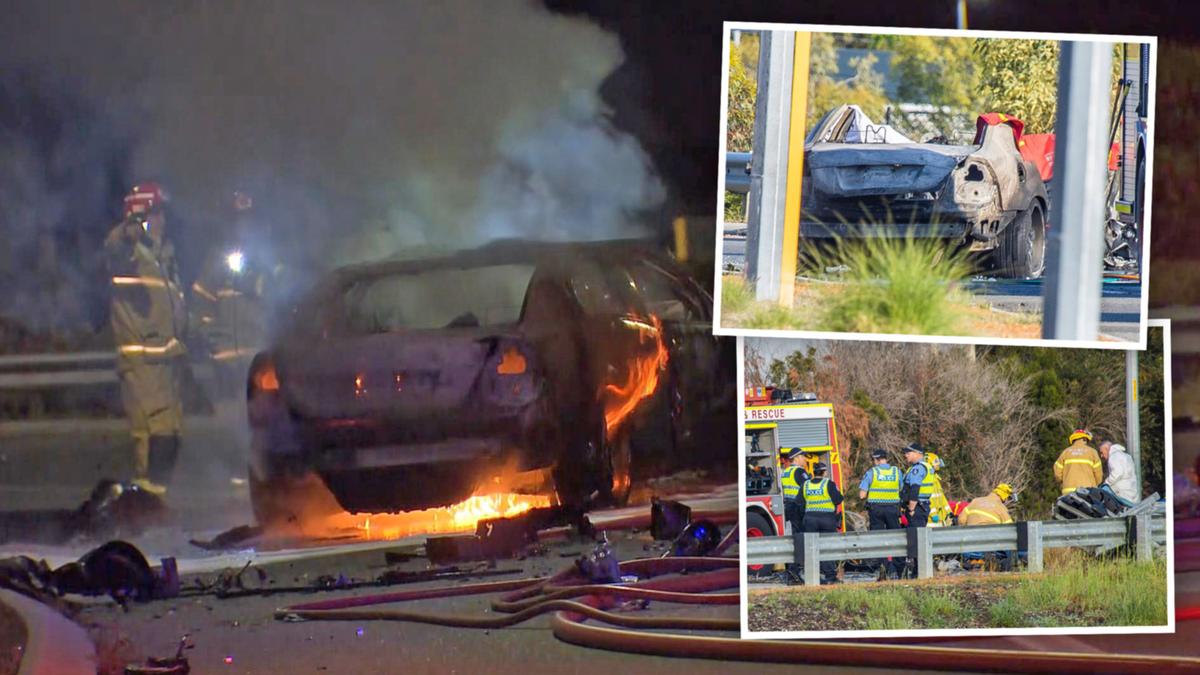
pixel 436 299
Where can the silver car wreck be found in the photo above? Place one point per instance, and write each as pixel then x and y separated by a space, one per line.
pixel 865 180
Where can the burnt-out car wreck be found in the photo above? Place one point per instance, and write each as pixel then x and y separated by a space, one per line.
pixel 408 384
pixel 867 180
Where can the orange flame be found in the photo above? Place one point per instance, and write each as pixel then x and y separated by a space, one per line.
pixel 461 517
pixel 642 375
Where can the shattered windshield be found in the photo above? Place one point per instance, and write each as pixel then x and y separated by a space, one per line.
pixel 437 299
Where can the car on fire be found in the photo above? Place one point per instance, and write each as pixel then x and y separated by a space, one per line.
pixel 405 384
pixel 866 180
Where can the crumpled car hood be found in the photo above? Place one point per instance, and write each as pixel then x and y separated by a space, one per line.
pixel 855 169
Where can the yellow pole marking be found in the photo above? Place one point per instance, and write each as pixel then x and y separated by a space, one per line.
pixel 795 167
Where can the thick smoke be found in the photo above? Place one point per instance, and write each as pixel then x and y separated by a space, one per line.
pixel 362 129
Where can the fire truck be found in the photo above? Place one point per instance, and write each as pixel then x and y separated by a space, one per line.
pixel 774 419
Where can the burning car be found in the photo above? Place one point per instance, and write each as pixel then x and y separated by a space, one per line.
pixel 406 384
pixel 862 180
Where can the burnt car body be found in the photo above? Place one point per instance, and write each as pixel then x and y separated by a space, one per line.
pixel 405 384
pixel 866 180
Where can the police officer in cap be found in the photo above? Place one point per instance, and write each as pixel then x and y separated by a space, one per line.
pixel 821 498
pixel 880 488
pixel 917 490
pixel 790 480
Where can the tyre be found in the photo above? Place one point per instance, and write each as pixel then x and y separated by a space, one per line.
pixel 1021 253
pixel 290 500
pixel 757 525
pixel 594 470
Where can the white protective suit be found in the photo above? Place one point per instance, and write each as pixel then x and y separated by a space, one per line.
pixel 1121 476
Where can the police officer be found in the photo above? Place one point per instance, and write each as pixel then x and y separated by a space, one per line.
pixel 821 499
pixel 916 491
pixel 790 480
pixel 880 488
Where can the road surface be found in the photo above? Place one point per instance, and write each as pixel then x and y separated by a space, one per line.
pixel 1120 303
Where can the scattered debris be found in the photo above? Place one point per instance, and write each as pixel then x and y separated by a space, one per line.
pixel 171 665
pixel 601 565
pixel 117 569
pixel 668 518
pixel 113 509
pixel 698 539
pixel 230 538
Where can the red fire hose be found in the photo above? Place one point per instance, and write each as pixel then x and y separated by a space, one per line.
pixel 527 598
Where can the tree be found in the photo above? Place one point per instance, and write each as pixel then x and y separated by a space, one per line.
pixel 826 91
pixel 1020 78
pixel 743 88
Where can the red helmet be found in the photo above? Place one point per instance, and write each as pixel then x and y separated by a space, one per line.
pixel 144 198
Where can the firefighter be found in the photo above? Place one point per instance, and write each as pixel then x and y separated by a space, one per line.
pixel 1078 466
pixel 790 480
pixel 915 493
pixel 939 506
pixel 228 298
pixel 821 498
pixel 880 488
pixel 148 319
pixel 990 509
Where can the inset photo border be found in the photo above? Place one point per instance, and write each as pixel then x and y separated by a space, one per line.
pixel 921 200
pixel 1009 433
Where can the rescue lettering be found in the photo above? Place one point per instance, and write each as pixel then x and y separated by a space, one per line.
pixel 767 414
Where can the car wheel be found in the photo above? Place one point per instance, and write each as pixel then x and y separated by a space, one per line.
pixel 289 500
pixel 1021 253
pixel 757 525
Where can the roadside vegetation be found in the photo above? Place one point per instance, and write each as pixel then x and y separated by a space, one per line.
pixel 879 285
pixel 1075 591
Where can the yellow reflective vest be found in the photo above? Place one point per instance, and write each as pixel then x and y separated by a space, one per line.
pixel 791 488
pixel 885 485
pixel 817 497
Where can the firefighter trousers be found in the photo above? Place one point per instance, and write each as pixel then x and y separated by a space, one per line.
pixel 885 517
pixel 150 395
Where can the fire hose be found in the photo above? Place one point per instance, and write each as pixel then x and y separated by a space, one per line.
pixel 693 582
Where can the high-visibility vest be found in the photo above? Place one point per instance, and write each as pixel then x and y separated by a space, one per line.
pixel 927 483
pixel 816 496
pixel 885 485
pixel 791 489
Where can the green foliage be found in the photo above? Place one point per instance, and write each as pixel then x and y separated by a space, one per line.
pixel 895 286
pixel 736 294
pixel 825 91
pixel 1019 78
pixel 743 88
pixel 795 371
pixel 735 207
pixel 1151 413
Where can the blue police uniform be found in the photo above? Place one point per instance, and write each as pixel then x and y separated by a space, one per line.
pixel 882 485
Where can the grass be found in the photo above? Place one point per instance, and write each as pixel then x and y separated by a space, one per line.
pixel 900 286
pixel 1076 590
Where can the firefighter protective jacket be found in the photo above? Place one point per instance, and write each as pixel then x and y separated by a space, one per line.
pixel 148 312
pixel 986 510
pixel 1078 467
pixel 227 304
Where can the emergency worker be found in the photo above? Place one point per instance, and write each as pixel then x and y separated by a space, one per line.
pixel 1078 466
pixel 790 480
pixel 990 509
pixel 939 506
pixel 228 298
pixel 148 321
pixel 915 492
pixel 880 488
pixel 821 499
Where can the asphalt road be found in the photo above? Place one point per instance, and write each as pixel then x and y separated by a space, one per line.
pixel 1120 303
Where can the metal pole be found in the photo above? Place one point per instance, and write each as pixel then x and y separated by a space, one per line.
pixel 1075 246
pixel 1132 432
pixel 961 17
pixel 768 166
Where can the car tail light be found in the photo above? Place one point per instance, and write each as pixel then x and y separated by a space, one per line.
pixel 512 362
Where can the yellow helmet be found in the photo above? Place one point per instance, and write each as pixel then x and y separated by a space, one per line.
pixel 1003 490
pixel 1078 434
pixel 934 461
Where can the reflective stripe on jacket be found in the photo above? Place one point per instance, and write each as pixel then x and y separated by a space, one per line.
pixel 885 485
pixel 791 489
pixel 986 510
pixel 928 484
pixel 817 497
pixel 1078 467
pixel 147 312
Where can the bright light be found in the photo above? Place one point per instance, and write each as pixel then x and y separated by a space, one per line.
pixel 235 260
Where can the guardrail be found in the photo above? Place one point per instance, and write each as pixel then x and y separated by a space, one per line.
pixel 737 172
pixel 41 371
pixel 809 549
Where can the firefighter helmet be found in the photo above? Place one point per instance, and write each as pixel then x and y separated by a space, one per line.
pixel 1003 491
pixel 144 198
pixel 1078 434
pixel 934 461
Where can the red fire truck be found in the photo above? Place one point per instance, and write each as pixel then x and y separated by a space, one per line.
pixel 774 419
